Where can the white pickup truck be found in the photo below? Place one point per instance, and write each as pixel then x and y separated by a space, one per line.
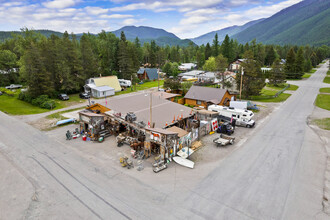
pixel 13 86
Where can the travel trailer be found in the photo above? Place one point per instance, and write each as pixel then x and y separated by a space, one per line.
pixel 242 117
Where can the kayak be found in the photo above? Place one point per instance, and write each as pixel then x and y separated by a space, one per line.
pixel 65 121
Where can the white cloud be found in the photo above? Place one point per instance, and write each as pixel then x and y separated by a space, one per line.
pixel 116 16
pixel 131 21
pixel 96 10
pixel 60 3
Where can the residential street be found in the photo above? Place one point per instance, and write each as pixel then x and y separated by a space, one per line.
pixel 277 174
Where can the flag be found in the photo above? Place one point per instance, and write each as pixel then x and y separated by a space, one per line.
pixel 148 124
pixel 231 120
pixel 106 102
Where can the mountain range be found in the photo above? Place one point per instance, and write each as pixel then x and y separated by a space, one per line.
pixel 307 22
pixel 230 31
pixel 146 34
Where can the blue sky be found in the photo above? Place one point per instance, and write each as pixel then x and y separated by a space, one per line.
pixel 185 18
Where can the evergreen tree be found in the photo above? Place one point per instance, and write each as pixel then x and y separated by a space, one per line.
pixel 299 63
pixel 34 72
pixel 270 56
pixel 290 63
pixel 277 75
pixel 215 45
pixel 8 61
pixel 253 79
pixel 208 51
pixel 200 58
pixel 308 65
pixel 226 48
pixel 314 59
pixel 88 58
pixel 107 47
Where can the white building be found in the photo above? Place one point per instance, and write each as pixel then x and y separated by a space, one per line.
pixel 187 66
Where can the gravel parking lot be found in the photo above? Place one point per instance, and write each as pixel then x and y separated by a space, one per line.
pixel 206 158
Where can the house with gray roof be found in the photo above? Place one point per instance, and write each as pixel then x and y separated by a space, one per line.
pixel 147 73
pixel 205 96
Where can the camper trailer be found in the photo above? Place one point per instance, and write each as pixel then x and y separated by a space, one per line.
pixel 242 117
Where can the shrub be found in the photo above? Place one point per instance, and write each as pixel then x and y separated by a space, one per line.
pixel 42 101
pixel 49 104
pixel 7 91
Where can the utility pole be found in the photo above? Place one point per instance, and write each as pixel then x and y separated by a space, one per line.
pixel 150 109
pixel 158 77
pixel 240 91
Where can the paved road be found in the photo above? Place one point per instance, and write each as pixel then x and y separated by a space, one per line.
pixel 255 182
pixel 267 178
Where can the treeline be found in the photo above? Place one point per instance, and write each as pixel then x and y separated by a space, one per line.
pixel 62 64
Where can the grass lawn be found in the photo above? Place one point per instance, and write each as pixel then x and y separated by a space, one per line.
pixel 14 106
pixel 328 73
pixel 323 101
pixel 279 87
pixel 313 71
pixel 326 79
pixel 138 87
pixel 325 90
pixel 306 75
pixel 323 123
pixel 292 87
pixel 266 94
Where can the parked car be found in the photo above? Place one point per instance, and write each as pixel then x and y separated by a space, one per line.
pixel 14 86
pixel 63 97
pixel 225 128
pixel 84 95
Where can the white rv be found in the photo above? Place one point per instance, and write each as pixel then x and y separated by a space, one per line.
pixel 125 83
pixel 242 117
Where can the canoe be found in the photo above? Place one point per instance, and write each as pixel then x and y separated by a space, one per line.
pixel 184 162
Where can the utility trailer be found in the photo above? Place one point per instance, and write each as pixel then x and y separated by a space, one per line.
pixel 223 140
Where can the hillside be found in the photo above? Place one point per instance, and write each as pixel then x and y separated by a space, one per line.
pixel 146 34
pixel 208 38
pixel 307 22
pixel 9 34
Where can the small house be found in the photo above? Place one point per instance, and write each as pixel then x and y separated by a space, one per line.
pixel 102 91
pixel 147 73
pixel 102 86
pixel 236 65
pixel 205 96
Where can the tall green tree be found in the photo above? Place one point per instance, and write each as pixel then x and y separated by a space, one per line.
pixel 300 62
pixel 208 51
pixel 125 63
pixel 34 72
pixel 253 79
pixel 215 46
pixel 8 61
pixel 88 58
pixel 290 63
pixel 277 74
pixel 270 56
